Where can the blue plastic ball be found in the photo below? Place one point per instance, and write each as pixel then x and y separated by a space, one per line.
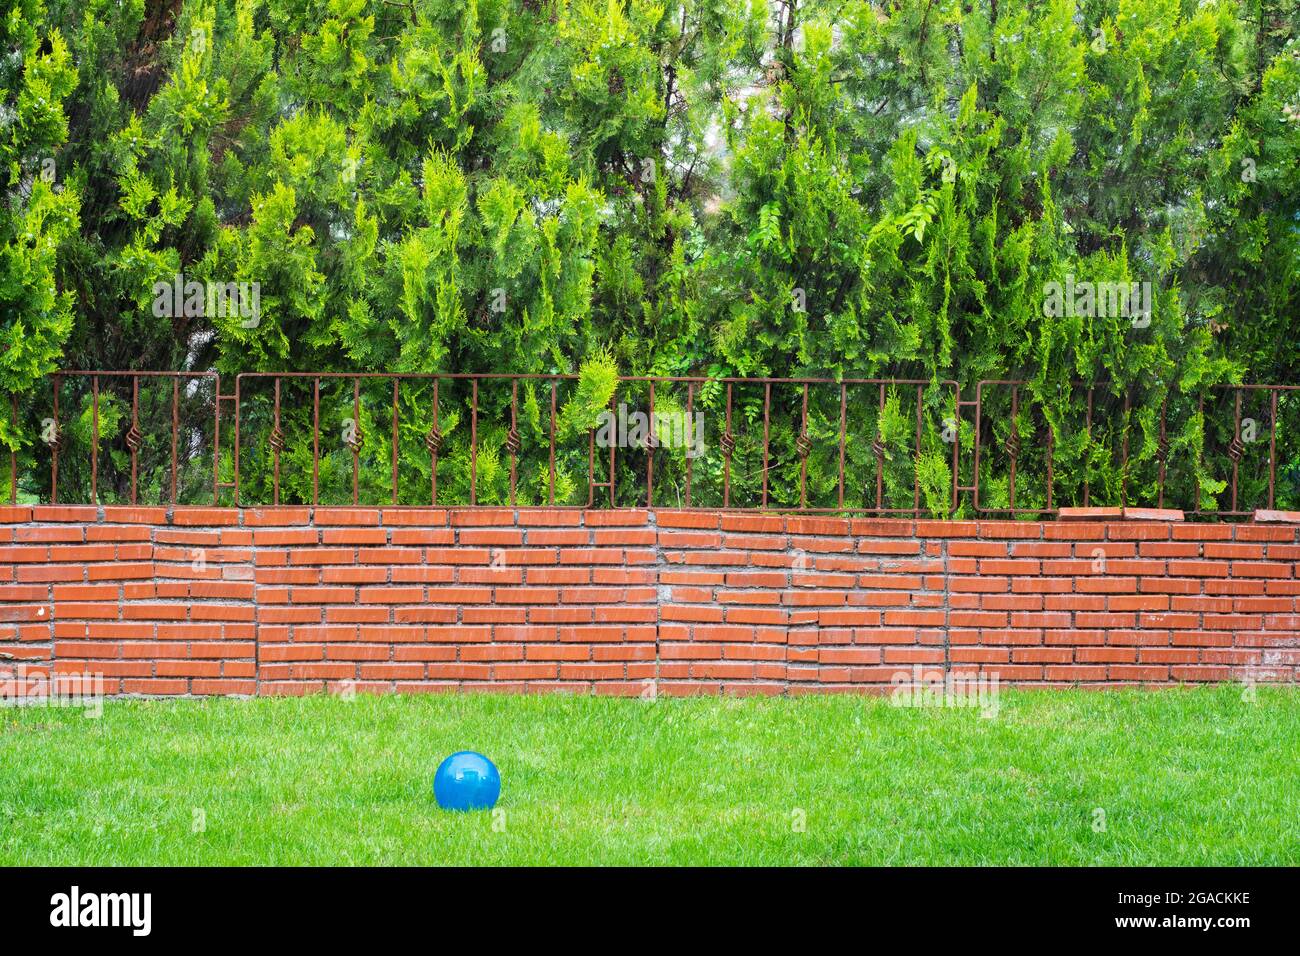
pixel 467 781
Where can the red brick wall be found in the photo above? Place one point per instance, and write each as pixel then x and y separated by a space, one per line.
pixel 298 600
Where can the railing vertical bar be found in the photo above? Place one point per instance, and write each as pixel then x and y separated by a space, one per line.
pixel 235 483
pixel 473 442
pixel 13 454
pixel 135 431
pixel 1196 476
pixel 726 456
pixel 433 452
pixel 650 453
pixel 916 457
pixel 880 451
pixel 591 468
pixel 1236 438
pixel 613 452
pixel 844 426
pixel 356 440
pixel 395 382
pixel 1123 470
pixel 956 447
pixel 803 459
pixel 176 429
pixel 1272 446
pixel 275 448
pixel 315 444
pixel 1161 446
pixel 554 383
pixel 54 457
pixel 1014 444
pixel 978 433
pixel 514 427
pixel 767 415
pixel 691 448
pixel 216 442
pixel 94 446
pixel 1087 466
pixel 1051 468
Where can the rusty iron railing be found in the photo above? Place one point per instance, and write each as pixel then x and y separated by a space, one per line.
pixel 1234 450
pixel 133 439
pixel 726 443
pixel 861 434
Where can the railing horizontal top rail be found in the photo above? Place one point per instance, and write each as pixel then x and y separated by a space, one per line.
pixel 568 376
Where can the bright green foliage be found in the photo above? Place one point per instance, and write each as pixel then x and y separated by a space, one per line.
pixel 37 214
pixel 711 187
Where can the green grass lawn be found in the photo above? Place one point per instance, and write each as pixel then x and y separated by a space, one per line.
pixel 1183 777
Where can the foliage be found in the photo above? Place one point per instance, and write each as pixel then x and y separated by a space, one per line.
pixel 38 216
pixel 829 188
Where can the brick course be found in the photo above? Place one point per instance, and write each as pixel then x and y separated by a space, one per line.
pixel 295 600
